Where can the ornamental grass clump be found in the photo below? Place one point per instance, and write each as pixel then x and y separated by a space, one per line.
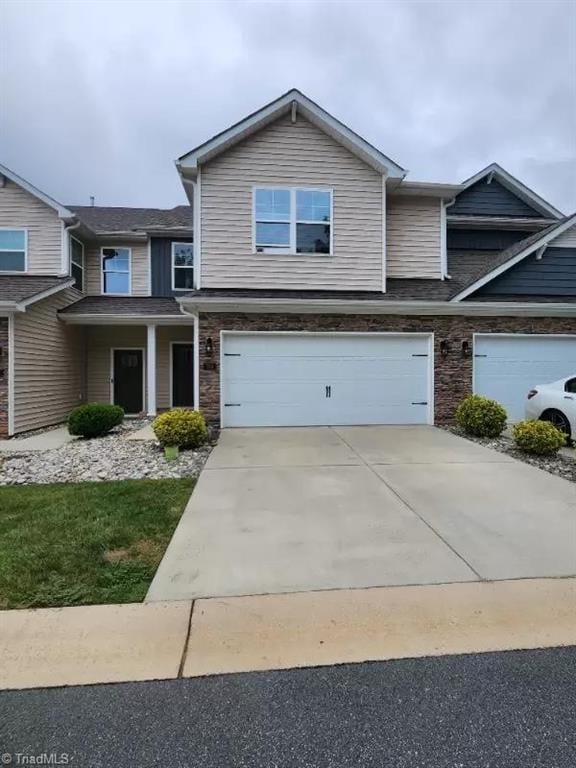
pixel 481 417
pixel 181 428
pixel 94 419
pixel 538 437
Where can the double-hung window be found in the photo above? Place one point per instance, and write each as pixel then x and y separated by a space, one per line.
pixel 292 220
pixel 77 262
pixel 182 266
pixel 116 271
pixel 13 250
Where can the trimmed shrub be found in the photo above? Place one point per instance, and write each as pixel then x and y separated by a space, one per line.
pixel 538 437
pixel 94 419
pixel 182 427
pixel 481 417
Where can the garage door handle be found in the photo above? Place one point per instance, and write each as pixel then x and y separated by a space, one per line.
pixel 232 405
pixel 328 391
pixel 422 402
pixel 480 355
pixel 568 397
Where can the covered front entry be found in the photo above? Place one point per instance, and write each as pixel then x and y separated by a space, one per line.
pixel 507 366
pixel 307 379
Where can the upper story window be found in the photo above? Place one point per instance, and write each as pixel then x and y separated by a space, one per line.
pixel 77 262
pixel 292 220
pixel 13 250
pixel 116 271
pixel 182 266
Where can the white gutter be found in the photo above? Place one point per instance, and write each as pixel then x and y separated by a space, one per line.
pixel 374 307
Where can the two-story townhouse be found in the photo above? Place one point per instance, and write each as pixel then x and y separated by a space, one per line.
pixel 307 283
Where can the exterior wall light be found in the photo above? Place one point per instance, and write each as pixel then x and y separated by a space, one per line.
pixel 209 347
pixel 466 350
pixel 444 348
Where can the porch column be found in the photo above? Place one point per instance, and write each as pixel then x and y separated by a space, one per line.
pixel 151 369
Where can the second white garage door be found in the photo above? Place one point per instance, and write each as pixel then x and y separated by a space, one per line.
pixel 272 379
pixel 507 366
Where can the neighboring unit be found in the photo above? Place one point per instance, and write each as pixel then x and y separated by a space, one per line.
pixel 308 282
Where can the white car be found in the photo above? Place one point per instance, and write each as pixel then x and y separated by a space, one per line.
pixel 556 403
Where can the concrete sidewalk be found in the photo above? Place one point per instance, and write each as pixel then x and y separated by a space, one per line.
pixel 43 441
pixel 151 641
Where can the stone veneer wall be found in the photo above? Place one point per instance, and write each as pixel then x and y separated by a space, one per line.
pixel 3 376
pixel 452 374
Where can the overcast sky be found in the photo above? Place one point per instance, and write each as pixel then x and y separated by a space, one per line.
pixel 99 98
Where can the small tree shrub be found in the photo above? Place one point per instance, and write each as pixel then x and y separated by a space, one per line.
pixel 94 419
pixel 481 417
pixel 181 427
pixel 538 437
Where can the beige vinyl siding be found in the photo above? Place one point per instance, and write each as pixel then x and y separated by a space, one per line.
pixel 566 240
pixel 413 238
pixel 290 154
pixel 100 340
pixel 139 267
pixel 48 364
pixel 21 210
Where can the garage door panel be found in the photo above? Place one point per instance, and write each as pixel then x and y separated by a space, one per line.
pixel 506 367
pixel 277 380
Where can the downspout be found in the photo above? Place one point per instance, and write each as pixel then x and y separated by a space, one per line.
pixel 65 245
pixel 446 204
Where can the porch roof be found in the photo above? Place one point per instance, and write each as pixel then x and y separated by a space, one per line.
pixel 95 310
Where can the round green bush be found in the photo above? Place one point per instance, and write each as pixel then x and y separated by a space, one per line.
pixel 538 437
pixel 481 417
pixel 182 427
pixel 94 419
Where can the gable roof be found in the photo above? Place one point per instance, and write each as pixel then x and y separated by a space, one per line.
pixel 61 210
pixel 502 261
pixel 516 187
pixel 104 220
pixel 292 100
pixel 21 290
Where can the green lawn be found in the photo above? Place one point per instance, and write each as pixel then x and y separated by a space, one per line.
pixel 86 542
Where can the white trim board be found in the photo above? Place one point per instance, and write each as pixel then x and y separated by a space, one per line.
pixel 63 212
pixel 516 187
pixel 545 239
pixel 11 369
pixel 189 162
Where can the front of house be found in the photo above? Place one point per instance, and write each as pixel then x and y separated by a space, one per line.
pixel 307 283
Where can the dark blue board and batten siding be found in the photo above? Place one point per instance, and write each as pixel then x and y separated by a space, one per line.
pixel 161 263
pixel 483 239
pixel 494 199
pixel 552 275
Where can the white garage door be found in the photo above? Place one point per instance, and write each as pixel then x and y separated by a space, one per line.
pixel 271 379
pixel 506 367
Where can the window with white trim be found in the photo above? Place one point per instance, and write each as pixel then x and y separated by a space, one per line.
pixel 116 271
pixel 77 262
pixel 292 220
pixel 13 250
pixel 182 266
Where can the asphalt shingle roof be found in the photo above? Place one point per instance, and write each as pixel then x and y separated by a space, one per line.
pixel 123 305
pixel 20 287
pixel 102 219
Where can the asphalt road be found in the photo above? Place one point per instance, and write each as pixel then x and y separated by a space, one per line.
pixel 498 710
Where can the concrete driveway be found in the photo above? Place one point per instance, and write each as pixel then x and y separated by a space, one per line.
pixel 286 510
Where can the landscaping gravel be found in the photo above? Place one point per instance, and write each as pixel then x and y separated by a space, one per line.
pixel 563 466
pixel 105 458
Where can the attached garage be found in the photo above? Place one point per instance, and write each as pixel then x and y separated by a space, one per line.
pixel 314 379
pixel 507 366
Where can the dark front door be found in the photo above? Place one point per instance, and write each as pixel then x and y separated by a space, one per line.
pixel 128 385
pixel 182 375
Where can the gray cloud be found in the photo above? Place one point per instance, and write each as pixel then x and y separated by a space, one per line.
pixel 100 97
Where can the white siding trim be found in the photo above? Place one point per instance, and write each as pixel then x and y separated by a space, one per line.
pixel 443 238
pixel 383 233
pixel 197 214
pixel 11 369
pixel 544 240
pixel 149 266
